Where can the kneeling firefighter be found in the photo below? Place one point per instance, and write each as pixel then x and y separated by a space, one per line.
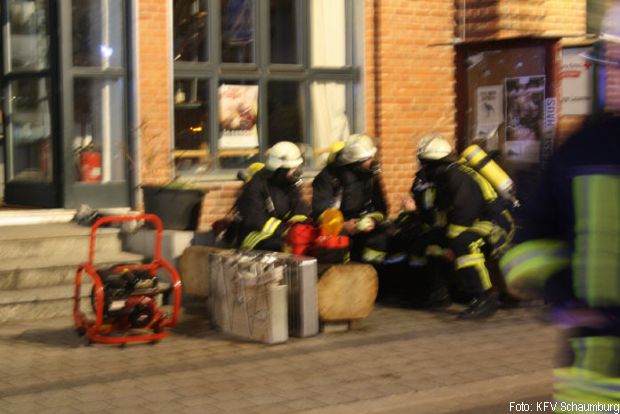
pixel 272 199
pixel 351 182
pixel 478 220
pixel 418 239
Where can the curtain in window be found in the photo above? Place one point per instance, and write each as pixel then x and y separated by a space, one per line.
pixel 328 28
pixel 329 119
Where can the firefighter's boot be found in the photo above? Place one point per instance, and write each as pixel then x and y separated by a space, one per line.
pixel 483 306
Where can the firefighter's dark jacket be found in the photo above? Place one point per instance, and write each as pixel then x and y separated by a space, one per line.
pixel 266 204
pixel 551 213
pixel 360 192
pixel 465 196
pixel 551 223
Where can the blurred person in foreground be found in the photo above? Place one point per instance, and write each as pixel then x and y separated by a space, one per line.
pixel 271 199
pixel 351 182
pixel 569 252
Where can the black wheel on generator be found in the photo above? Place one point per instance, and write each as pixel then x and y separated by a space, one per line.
pixel 154 342
pixel 81 331
pixel 122 345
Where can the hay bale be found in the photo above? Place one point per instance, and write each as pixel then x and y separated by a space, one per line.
pixel 347 291
pixel 194 269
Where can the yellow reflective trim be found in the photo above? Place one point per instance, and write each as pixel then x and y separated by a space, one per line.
pixel 477 262
pixel 435 250
pixel 298 217
pixel 255 237
pixel 372 255
pixel 529 264
pixel 378 216
pixel 482 227
pixel 469 260
pixel 454 230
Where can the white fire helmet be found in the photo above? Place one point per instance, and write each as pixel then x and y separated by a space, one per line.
pixel 357 148
pixel 284 154
pixel 433 147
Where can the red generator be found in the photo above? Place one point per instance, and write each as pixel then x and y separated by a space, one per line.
pixel 123 296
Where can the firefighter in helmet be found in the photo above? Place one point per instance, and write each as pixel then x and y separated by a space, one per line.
pixel 418 241
pixel 479 223
pixel 568 249
pixel 272 199
pixel 351 182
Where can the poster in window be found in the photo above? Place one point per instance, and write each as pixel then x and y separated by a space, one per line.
pixel 238 115
pixel 576 76
pixel 525 98
pixel 489 115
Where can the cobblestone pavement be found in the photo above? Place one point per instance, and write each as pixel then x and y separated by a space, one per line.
pixel 396 361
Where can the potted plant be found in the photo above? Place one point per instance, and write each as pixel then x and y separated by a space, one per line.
pixel 178 203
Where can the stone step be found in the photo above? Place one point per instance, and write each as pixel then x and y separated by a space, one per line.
pixel 41 303
pixel 55 240
pixel 51 302
pixel 53 271
pixel 20 216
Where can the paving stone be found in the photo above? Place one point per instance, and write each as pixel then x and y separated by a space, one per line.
pixel 398 353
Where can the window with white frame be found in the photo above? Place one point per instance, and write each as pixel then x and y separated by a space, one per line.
pixel 251 73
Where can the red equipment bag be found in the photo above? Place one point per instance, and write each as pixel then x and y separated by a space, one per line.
pixel 124 296
pixel 300 237
pixel 309 240
pixel 330 248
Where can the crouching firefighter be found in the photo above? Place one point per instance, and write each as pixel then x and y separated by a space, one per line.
pixel 418 238
pixel 271 200
pixel 478 221
pixel 351 182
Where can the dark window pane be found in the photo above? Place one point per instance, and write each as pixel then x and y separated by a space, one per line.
pixel 283 31
pixel 97 33
pixel 284 111
pixel 238 31
pixel 30 129
pixel 191 110
pixel 190 31
pixel 29 37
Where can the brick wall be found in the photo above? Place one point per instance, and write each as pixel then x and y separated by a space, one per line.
pixel 154 100
pixel 612 100
pixel 485 19
pixel 409 60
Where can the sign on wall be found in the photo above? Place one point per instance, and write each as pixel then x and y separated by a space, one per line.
pixel 489 114
pixel 238 116
pixel 525 97
pixel 576 77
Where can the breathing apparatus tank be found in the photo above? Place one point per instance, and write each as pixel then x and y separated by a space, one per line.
pixel 476 158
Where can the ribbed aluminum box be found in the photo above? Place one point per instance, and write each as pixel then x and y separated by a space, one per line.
pixel 301 277
pixel 298 275
pixel 248 297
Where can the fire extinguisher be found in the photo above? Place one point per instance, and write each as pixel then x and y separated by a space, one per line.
pixel 89 161
pixel 90 166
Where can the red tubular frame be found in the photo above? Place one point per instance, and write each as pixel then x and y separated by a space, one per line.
pixel 96 330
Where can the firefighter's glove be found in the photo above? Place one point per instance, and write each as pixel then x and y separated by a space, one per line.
pixel 365 224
